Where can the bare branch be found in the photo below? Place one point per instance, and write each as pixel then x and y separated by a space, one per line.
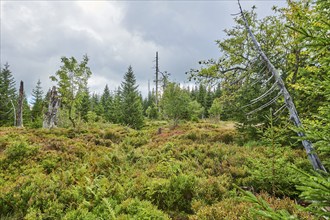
pixel 280 110
pixel 313 158
pixel 265 94
pixel 266 105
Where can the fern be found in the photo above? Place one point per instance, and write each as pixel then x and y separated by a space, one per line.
pixel 315 189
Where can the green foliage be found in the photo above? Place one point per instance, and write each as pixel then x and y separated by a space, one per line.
pixel 7 96
pixel 152 111
pixel 106 102
pixel 315 188
pixel 149 106
pixel 262 208
pixel 113 172
pixel 229 208
pixel 131 104
pixel 72 81
pixel 37 105
pixel 85 106
pixel 308 22
pixel 175 103
pixel 195 110
pixel 136 209
pixel 216 109
pixel 19 150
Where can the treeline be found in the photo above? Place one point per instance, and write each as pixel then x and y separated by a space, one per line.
pixel 123 105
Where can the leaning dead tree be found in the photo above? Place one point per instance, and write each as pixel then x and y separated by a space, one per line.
pixel 50 117
pixel 312 156
pixel 19 116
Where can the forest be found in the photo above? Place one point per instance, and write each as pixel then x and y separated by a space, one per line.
pixel 250 139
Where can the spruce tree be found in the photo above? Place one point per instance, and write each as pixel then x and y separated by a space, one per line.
pixel 218 91
pixel 208 102
pixel 106 102
pixel 96 105
pixel 149 106
pixel 7 96
pixel 131 103
pixel 116 111
pixel 85 105
pixel 201 97
pixel 38 104
pixel 27 117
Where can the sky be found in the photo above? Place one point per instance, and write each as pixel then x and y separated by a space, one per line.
pixel 114 34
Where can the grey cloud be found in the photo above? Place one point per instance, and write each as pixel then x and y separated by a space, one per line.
pixel 35 34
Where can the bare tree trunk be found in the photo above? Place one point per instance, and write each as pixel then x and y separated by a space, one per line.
pixel 14 109
pixel 50 117
pixel 19 117
pixel 312 156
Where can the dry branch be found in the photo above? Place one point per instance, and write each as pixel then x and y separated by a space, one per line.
pixel 312 156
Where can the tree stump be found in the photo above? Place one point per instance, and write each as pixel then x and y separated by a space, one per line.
pixel 50 117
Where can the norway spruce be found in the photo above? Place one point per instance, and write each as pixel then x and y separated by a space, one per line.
pixel 7 96
pixel 131 103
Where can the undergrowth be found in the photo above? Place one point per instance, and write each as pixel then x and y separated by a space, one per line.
pixel 114 172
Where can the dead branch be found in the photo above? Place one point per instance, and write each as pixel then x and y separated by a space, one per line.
pixel 312 156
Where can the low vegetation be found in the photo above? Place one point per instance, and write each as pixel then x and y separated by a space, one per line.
pixel 115 172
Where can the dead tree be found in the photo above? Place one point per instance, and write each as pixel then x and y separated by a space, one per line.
pixel 19 116
pixel 312 156
pixel 14 109
pixel 50 117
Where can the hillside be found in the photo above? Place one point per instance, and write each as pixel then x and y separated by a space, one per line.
pixel 113 172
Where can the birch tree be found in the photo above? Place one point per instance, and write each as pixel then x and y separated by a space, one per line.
pixel 72 80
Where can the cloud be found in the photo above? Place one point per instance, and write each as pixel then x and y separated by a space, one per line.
pixel 36 34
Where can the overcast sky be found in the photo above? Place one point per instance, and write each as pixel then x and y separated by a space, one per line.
pixel 36 34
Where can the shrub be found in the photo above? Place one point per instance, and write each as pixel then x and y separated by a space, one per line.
pixel 212 189
pixel 136 209
pixel 20 150
pixel 180 193
pixel 230 208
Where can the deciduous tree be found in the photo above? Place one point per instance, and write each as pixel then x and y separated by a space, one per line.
pixel 72 83
pixel 175 103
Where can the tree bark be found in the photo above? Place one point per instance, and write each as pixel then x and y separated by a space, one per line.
pixel 312 156
pixel 19 116
pixel 50 117
pixel 14 109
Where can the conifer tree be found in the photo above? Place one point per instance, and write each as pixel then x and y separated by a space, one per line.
pixel 201 97
pixel 7 96
pixel 116 111
pixel 208 102
pixel 85 105
pixel 131 103
pixel 27 114
pixel 106 102
pixel 217 92
pixel 149 106
pixel 37 105
pixel 96 105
